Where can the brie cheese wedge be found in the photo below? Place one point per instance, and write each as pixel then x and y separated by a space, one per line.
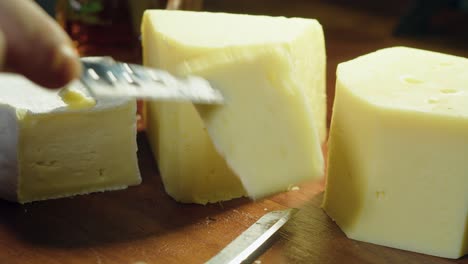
pixel 51 149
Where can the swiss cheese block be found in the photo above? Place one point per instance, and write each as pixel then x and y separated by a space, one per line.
pixel 398 151
pixel 191 168
pixel 51 149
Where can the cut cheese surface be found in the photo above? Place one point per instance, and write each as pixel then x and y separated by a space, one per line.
pixel 179 139
pixel 49 150
pixel 191 169
pixel 265 129
pixel 397 152
pixel 431 82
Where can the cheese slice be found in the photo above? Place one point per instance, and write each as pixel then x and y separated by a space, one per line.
pixel 49 149
pixel 397 152
pixel 265 130
pixel 191 168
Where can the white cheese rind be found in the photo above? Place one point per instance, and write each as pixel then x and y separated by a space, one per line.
pixel 8 153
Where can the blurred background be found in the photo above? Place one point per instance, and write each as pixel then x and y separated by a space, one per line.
pixel 352 27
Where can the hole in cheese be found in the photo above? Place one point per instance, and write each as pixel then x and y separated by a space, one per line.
pixel 448 90
pixel 433 100
pixel 409 79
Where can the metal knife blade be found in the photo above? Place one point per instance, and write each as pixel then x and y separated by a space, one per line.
pixel 107 78
pixel 251 243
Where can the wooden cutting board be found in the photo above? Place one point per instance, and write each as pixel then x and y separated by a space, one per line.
pixel 144 225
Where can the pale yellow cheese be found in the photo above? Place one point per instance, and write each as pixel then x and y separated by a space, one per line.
pixel 265 130
pixel 48 150
pixel 191 169
pixel 397 152
pixel 76 99
pixel 187 158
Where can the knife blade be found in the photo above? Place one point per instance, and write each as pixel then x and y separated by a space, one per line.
pixel 106 78
pixel 253 241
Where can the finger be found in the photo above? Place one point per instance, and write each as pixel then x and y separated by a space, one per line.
pixel 36 46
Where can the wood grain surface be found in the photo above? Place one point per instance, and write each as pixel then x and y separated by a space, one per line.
pixel 143 225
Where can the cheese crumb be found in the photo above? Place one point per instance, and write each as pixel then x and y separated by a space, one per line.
pixel 293 188
pixel 76 100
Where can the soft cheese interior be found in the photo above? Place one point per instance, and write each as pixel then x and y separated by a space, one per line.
pixel 397 153
pixel 50 149
pixel 191 167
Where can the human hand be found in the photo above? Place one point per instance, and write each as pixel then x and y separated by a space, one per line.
pixel 32 44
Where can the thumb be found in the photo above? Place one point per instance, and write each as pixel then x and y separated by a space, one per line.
pixel 36 46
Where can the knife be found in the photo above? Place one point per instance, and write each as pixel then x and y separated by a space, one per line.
pixel 104 77
pixel 255 240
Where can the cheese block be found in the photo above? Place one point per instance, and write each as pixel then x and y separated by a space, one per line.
pixel 191 168
pixel 51 149
pixel 397 152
